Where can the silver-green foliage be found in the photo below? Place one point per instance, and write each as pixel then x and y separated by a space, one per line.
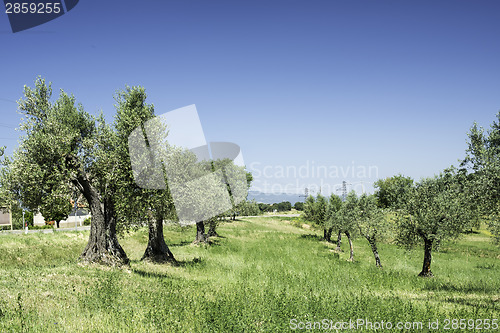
pixel 371 222
pixel 435 210
pixel 483 160
pixel 348 214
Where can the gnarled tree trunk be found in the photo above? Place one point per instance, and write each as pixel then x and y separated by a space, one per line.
pixel 212 232
pixel 157 250
pixel 103 246
pixel 351 257
pixel 201 237
pixel 426 268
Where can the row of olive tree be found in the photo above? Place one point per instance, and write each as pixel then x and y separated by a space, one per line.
pixel 427 212
pixel 430 211
pixel 352 217
pixel 452 203
pixel 66 150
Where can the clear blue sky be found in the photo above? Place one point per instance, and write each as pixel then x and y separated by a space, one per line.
pixel 391 84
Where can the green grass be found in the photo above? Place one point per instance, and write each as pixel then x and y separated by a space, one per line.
pixel 261 274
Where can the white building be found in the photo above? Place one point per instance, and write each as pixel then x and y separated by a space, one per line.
pixel 81 214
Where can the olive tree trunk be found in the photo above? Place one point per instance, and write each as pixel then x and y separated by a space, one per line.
pixel 348 234
pixel 212 232
pixel 157 250
pixel 102 246
pixel 373 245
pixel 201 237
pixel 339 241
pixel 327 234
pixel 426 268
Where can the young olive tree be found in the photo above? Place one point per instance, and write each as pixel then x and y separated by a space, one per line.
pixel 315 210
pixel 309 208
pixel 436 210
pixel 198 192
pixel 371 223
pixel 320 207
pixel 332 216
pixel 390 192
pixel 237 181
pixel 348 215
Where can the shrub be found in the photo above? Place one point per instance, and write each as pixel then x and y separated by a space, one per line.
pixel 299 206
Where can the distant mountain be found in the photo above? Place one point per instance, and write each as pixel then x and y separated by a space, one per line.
pixel 270 198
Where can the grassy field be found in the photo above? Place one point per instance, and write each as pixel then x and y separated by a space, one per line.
pixel 260 275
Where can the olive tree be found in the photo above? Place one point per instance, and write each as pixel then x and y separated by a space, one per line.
pixel 56 206
pixel 436 210
pixel 143 136
pixel 483 162
pixel 346 222
pixel 5 195
pixel 237 181
pixel 390 192
pixel 198 192
pixel 64 144
pixel 315 210
pixel 371 223
pixel 309 205
pixel 320 207
pixel 332 216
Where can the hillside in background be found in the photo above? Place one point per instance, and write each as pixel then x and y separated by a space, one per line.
pixel 270 198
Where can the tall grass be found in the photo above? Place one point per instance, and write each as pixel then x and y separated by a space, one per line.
pixel 262 273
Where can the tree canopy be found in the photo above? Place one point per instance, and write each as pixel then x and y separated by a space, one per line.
pixel 390 192
pixel 483 161
pixel 64 144
pixel 435 211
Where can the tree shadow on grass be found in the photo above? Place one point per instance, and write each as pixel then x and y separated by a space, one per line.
pixel 472 303
pixel 468 289
pixel 182 243
pixel 195 262
pixel 311 236
pixel 215 241
pixel 212 241
pixel 149 274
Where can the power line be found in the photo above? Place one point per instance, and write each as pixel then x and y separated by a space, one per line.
pixel 7 100
pixel 344 189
